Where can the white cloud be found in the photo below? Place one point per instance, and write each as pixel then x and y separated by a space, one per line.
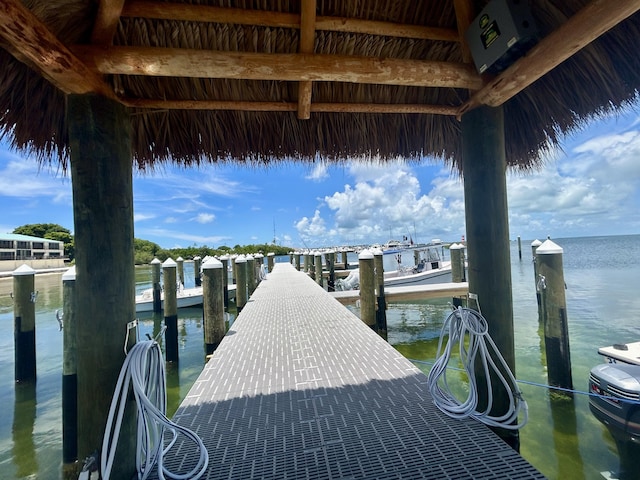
pixel 139 217
pixel 320 172
pixel 204 218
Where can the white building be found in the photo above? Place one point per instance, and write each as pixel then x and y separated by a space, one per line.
pixel 14 246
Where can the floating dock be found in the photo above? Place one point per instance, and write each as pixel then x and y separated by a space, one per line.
pixel 300 388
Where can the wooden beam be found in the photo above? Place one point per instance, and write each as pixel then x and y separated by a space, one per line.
pixel 465 14
pixel 385 108
pixel 107 18
pixel 202 13
pixel 307 44
pixel 174 62
pixel 585 26
pixel 30 41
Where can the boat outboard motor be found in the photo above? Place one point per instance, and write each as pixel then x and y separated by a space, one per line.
pixel 617 405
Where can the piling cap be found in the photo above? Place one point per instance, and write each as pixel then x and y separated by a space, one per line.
pixel 549 248
pixel 179 259
pixel 365 255
pixel 23 269
pixel 456 246
pixel 241 259
pixel 212 263
pixel 271 254
pixel 376 251
pixel 69 275
pixel 536 243
pixel 155 261
pixel 169 263
pixel 224 257
pixel 258 255
pixel 250 258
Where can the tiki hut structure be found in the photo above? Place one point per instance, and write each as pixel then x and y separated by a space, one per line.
pixel 103 87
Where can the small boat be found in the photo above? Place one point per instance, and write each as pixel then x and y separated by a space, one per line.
pixel 185 297
pixel 628 353
pixel 429 270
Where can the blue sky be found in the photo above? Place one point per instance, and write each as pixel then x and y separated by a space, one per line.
pixel 589 187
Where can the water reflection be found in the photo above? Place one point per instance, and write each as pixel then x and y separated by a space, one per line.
pixel 565 432
pixel 24 418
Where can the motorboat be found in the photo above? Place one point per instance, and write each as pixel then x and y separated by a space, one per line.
pixel 615 401
pixel 185 297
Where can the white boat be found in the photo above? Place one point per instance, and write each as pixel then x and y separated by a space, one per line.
pixel 185 297
pixel 430 270
pixel 628 353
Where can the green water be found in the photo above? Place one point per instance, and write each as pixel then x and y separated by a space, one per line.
pixel 562 439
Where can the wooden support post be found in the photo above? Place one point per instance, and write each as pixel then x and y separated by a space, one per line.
pixel 554 309
pixel 156 266
pixel 457 267
pixel 519 248
pixel 241 282
pixel 367 288
pixel 310 259
pixel 251 275
pixel 24 323
pixel 213 304
pixel 318 263
pixel 270 260
pixel 197 266
pixel 534 246
pixel 225 279
pixel 331 266
pixel 169 268
pixel 381 309
pixel 260 269
pixel 101 177
pixel 297 260
pixel 180 264
pixel 69 370
pixel 345 261
pixel 485 191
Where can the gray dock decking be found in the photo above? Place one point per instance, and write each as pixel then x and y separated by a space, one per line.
pixel 300 388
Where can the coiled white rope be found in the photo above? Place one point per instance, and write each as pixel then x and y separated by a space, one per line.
pixel 467 325
pixel 144 370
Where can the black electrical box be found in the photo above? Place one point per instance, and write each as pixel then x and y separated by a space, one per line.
pixel 503 32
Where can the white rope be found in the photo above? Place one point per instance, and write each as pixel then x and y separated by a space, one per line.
pixel 143 369
pixel 467 325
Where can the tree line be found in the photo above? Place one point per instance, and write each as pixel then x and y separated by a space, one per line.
pixel 145 250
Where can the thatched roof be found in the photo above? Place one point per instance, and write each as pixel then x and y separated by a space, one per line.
pixel 249 80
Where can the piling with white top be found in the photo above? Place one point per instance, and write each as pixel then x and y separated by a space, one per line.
pixel 69 370
pixel 251 275
pixel 296 257
pixel 197 266
pixel 225 279
pixel 213 303
pixel 534 246
pixel 259 267
pixel 241 282
pixel 381 310
pixel 180 265
pixel 331 266
pixel 367 288
pixel 24 323
pixel 554 313
pixel 270 259
pixel 318 263
pixel 169 268
pixel 156 286
pixel 457 268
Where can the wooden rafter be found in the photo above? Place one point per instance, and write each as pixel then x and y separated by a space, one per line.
pixel 30 40
pixel 307 41
pixel 593 20
pixel 465 14
pixel 162 105
pixel 203 13
pixel 174 62
pixel 106 23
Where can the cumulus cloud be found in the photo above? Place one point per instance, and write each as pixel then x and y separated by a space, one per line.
pixel 205 218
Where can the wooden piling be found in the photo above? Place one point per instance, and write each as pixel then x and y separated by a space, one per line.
pixel 69 370
pixel 213 304
pixel 534 246
pixel 381 309
pixel 331 266
pixel 296 260
pixel 554 309
pixel 197 266
pixel 260 269
pixel 180 264
pixel 102 181
pixel 484 172
pixel 345 260
pixel 457 267
pixel 234 269
pixel 24 323
pixel 241 282
pixel 225 279
pixel 251 275
pixel 519 248
pixel 169 268
pixel 156 286
pixel 318 264
pixel 270 260
pixel 367 288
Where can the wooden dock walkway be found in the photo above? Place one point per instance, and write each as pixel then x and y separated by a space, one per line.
pixel 300 388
